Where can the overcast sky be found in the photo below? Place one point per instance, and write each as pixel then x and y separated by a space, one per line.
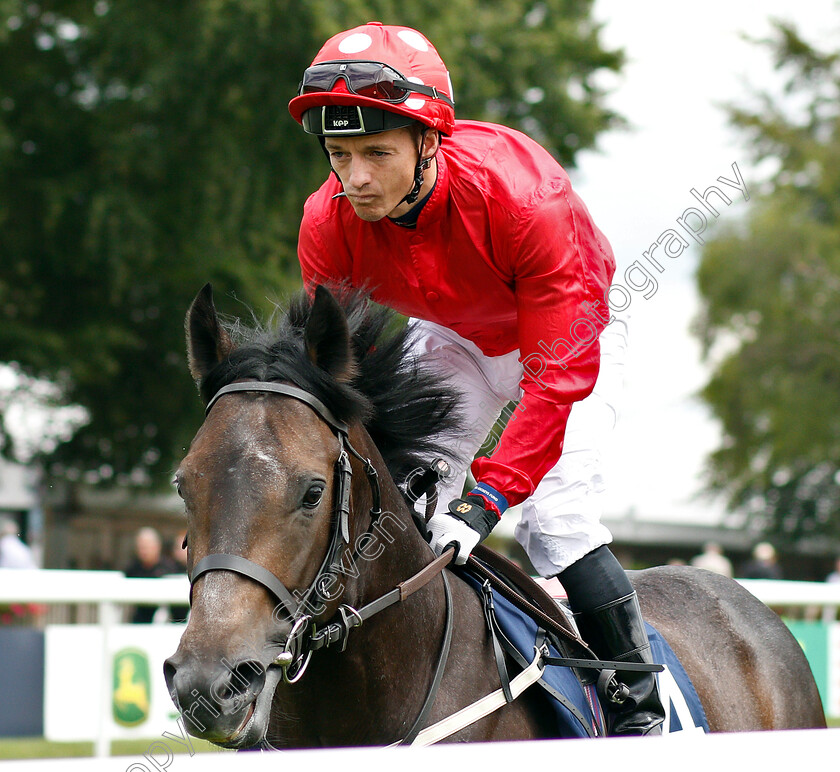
pixel 684 60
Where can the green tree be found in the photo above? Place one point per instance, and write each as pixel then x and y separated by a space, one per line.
pixel 770 289
pixel 146 148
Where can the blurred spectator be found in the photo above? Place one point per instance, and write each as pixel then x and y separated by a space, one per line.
pixel 713 559
pixel 148 563
pixel 13 552
pixel 764 564
pixel 834 576
pixel 178 553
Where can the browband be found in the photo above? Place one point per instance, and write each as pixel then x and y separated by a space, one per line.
pixel 287 390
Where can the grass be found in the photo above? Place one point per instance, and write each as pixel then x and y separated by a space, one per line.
pixel 40 748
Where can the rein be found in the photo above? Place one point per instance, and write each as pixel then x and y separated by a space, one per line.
pixel 306 636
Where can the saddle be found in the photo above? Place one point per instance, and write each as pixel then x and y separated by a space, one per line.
pixel 520 589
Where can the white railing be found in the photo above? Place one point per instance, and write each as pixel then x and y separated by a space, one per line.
pixel 780 594
pixel 98 587
pixel 112 588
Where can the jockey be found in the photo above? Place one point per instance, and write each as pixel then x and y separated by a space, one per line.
pixel 472 230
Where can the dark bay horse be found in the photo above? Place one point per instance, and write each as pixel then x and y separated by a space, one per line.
pixel 320 616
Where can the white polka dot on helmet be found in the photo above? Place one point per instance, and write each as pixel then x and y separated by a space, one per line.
pixel 400 48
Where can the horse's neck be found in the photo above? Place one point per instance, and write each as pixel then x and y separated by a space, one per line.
pixel 395 550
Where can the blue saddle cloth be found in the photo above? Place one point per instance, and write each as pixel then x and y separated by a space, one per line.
pixel 577 711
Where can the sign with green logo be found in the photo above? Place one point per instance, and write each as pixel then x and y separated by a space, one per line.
pixel 131 687
pixel 813 638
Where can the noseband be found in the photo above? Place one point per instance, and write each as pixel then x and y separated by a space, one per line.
pixel 294 606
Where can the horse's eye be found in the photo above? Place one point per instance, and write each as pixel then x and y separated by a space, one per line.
pixel 312 497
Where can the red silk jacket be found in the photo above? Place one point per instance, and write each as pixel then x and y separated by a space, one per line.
pixel 506 255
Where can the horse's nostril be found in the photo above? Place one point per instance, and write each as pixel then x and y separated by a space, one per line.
pixel 169 670
pixel 238 684
pixel 249 674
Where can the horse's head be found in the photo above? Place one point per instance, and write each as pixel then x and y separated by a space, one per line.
pixel 268 484
pixel 259 486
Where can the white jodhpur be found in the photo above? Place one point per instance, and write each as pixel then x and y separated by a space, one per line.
pixel 561 521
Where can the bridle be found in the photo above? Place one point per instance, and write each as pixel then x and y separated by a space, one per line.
pixel 306 635
pixel 294 606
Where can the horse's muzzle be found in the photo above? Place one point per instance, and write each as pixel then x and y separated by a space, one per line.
pixel 227 703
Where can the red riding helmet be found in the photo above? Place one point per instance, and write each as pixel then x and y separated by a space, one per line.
pixel 374 78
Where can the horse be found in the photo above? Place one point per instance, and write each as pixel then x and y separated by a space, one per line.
pixel 320 617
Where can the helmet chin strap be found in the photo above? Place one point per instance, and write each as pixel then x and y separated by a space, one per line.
pixel 422 165
pixel 414 193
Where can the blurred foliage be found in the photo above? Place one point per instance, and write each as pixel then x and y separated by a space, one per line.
pixel 770 289
pixel 146 148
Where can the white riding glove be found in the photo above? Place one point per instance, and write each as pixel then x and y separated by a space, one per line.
pixel 466 523
pixel 445 530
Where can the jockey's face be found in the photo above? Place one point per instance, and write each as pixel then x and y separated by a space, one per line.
pixel 377 170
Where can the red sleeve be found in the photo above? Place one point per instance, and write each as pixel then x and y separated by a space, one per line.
pixel 322 257
pixel 562 266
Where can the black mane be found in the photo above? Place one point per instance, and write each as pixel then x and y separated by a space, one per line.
pixel 403 408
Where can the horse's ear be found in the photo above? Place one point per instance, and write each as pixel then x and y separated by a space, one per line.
pixel 207 342
pixel 327 336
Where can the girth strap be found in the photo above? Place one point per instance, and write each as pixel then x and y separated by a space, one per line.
pixel 493 628
pixel 483 707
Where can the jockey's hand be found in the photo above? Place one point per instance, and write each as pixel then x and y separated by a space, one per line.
pixel 464 526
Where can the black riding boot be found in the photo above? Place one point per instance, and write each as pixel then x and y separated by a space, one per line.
pixel 616 631
pixel 610 621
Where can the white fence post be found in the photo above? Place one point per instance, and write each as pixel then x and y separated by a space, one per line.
pixel 109 615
